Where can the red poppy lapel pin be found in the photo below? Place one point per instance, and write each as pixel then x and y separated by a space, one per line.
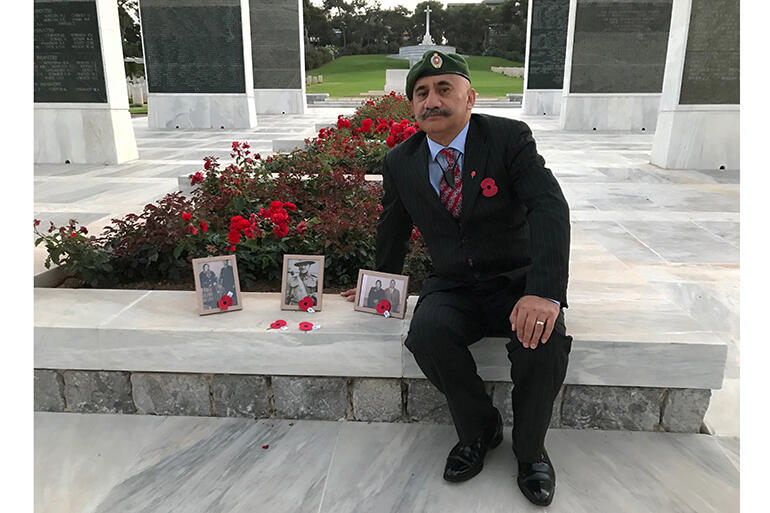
pixel 473 174
pixel 225 303
pixel 383 308
pixel 488 187
pixel 306 304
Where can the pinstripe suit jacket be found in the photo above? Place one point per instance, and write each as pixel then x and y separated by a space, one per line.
pixel 521 234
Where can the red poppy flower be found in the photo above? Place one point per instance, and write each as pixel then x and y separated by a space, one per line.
pixel 488 187
pixel 225 303
pixel 280 323
pixel 305 303
pixel 186 217
pixel 383 306
pixel 305 326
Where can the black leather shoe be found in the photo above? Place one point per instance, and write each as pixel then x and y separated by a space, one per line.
pixel 465 461
pixel 537 481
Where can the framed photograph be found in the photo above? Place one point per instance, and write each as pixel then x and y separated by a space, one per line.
pixel 216 284
pixel 373 287
pixel 303 276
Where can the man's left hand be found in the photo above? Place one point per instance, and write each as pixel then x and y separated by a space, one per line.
pixel 525 316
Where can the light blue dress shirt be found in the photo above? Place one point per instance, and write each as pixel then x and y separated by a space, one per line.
pixel 438 162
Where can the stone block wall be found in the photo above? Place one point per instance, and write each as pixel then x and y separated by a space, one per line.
pixel 353 399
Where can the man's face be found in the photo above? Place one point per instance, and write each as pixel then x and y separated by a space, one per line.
pixel 442 105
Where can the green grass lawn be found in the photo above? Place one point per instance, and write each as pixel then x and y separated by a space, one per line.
pixel 354 74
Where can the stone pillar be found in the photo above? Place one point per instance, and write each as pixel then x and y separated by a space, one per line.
pixel 546 48
pixel 616 55
pixel 81 101
pixel 278 56
pixel 699 119
pixel 197 56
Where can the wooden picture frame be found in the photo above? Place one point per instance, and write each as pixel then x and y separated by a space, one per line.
pixel 210 289
pixel 303 275
pixel 367 285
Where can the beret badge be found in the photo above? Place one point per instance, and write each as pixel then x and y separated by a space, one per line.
pixel 436 60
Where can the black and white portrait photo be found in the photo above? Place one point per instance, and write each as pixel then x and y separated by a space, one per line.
pixel 302 277
pixel 373 287
pixel 216 278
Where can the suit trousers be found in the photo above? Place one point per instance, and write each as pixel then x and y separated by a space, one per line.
pixel 446 322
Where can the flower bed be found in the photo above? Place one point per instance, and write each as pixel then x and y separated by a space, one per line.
pixel 314 201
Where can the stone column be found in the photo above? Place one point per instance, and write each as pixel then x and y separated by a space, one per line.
pixel 616 55
pixel 81 101
pixel 544 64
pixel 278 56
pixel 699 119
pixel 197 56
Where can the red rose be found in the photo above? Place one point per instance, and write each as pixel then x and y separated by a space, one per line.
pixel 280 323
pixel 301 227
pixel 192 229
pixel 196 177
pixel 488 187
pixel 396 129
pixel 383 306
pixel 306 326
pixel 235 145
pixel 204 226
pixel 225 303
pixel 186 217
pixel 366 125
pixel 280 217
pixel 83 229
pixel 73 234
pixel 305 303
pixel 281 230
pixel 234 237
pixel 207 164
pixel 231 249
pixel 390 141
pixel 290 206
pixel 276 206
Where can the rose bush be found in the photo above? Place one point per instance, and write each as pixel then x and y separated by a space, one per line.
pixel 311 201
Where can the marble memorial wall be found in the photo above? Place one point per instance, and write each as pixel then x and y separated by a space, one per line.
pixel 275 44
pixel 712 58
pixel 193 46
pixel 620 46
pixel 68 58
pixel 547 44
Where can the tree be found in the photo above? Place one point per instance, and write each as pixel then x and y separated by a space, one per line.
pixel 130 31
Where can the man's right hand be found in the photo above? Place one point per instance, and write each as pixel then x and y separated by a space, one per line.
pixel 349 294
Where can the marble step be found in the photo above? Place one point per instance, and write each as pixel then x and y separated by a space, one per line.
pixel 126 463
pixel 622 342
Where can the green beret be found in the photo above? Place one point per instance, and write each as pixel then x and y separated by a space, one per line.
pixel 436 63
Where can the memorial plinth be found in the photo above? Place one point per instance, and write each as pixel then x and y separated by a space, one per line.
pixel 546 48
pixel 699 120
pixel 198 63
pixel 81 103
pixel 278 56
pixel 616 55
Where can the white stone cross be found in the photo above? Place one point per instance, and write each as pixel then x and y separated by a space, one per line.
pixel 426 39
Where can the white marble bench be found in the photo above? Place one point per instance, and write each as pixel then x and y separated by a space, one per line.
pixel 625 343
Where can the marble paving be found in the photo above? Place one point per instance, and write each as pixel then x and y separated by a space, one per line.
pixel 633 224
pixel 136 463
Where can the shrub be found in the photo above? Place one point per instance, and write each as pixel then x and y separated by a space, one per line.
pixel 310 201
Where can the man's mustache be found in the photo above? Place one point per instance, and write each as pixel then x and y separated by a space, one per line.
pixel 434 112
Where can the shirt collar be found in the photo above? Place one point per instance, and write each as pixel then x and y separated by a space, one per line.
pixel 458 143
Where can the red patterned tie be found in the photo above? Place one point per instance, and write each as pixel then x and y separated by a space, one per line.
pixel 452 197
